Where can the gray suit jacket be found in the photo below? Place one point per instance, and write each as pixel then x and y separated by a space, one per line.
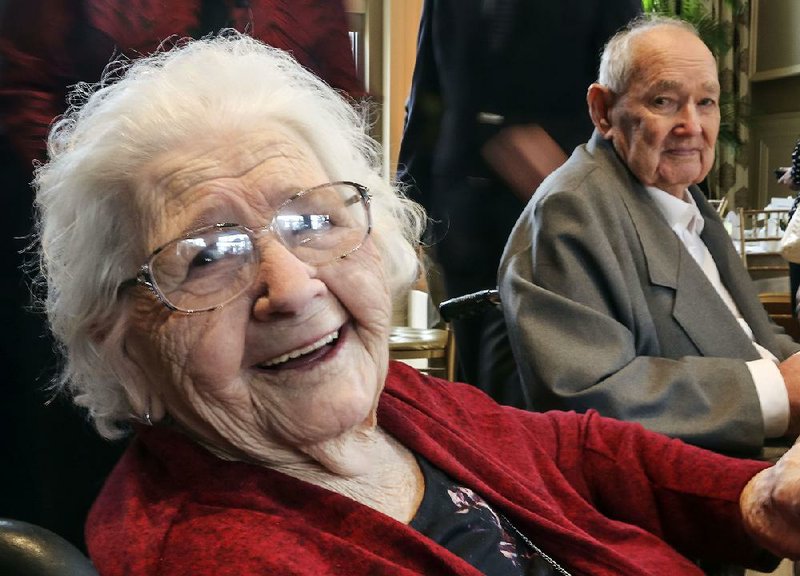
pixel 606 309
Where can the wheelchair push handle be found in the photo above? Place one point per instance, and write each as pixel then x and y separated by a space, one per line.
pixel 469 304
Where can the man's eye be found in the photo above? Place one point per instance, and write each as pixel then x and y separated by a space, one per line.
pixel 662 102
pixel 706 102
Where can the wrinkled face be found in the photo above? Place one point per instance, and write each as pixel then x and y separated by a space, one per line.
pixel 665 125
pixel 299 358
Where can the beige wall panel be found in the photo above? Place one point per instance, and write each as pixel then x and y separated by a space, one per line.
pixel 403 25
pixel 775 41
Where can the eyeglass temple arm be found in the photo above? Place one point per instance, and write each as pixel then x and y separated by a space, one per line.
pixel 142 277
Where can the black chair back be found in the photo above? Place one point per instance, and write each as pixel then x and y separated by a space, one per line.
pixel 30 550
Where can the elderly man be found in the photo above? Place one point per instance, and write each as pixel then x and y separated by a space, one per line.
pixel 621 288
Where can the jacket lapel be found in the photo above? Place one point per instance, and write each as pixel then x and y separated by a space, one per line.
pixel 735 276
pixel 711 327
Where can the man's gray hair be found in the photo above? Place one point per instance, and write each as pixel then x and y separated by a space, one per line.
pixel 90 199
pixel 617 64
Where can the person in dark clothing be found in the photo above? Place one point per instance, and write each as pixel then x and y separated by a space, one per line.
pixel 483 67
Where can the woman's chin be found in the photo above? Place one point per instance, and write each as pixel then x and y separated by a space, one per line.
pixel 343 456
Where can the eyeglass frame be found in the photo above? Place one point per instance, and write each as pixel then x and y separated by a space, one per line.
pixel 144 276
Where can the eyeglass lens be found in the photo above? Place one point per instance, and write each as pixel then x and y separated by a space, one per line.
pixel 214 265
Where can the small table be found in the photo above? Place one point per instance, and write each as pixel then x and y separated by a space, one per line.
pixel 432 344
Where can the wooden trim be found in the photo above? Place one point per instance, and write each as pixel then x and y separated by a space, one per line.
pixel 786 13
pixel 404 16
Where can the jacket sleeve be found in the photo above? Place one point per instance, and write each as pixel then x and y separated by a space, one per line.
pixel 582 332
pixel 423 117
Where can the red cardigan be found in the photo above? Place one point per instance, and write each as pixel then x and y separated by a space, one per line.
pixel 598 495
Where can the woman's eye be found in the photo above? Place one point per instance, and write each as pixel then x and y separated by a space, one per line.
pixel 205 257
pixel 304 224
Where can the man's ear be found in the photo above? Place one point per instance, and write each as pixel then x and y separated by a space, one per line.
pixel 600 100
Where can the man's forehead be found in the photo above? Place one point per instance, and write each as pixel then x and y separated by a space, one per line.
pixel 667 43
pixel 674 64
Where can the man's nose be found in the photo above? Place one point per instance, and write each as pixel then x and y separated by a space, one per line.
pixel 689 119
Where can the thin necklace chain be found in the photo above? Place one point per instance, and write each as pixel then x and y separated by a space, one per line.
pixel 534 547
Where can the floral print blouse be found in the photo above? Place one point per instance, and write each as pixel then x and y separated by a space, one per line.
pixel 464 523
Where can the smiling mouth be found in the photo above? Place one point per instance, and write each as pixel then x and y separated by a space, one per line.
pixel 306 353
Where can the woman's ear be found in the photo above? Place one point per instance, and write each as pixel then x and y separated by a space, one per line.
pixel 111 339
pixel 600 100
pixel 145 401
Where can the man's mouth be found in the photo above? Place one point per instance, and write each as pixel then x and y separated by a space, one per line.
pixel 683 151
pixel 303 355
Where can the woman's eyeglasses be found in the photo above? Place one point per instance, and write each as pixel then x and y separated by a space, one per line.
pixel 211 266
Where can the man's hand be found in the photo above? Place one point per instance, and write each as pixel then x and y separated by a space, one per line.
pixel 770 505
pixel 523 155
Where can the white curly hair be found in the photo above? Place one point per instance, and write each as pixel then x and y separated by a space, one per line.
pixel 88 237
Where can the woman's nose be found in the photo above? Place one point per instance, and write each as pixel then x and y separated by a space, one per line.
pixel 285 283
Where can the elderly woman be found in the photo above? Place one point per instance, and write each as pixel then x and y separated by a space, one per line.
pixel 221 254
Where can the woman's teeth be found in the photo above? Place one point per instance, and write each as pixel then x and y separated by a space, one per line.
pixel 301 351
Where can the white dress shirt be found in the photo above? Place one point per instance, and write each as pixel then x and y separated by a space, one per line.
pixel 685 219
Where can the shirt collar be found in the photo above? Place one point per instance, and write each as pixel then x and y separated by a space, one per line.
pixel 678 212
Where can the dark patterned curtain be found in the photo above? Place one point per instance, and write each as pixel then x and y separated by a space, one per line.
pixel 729 176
